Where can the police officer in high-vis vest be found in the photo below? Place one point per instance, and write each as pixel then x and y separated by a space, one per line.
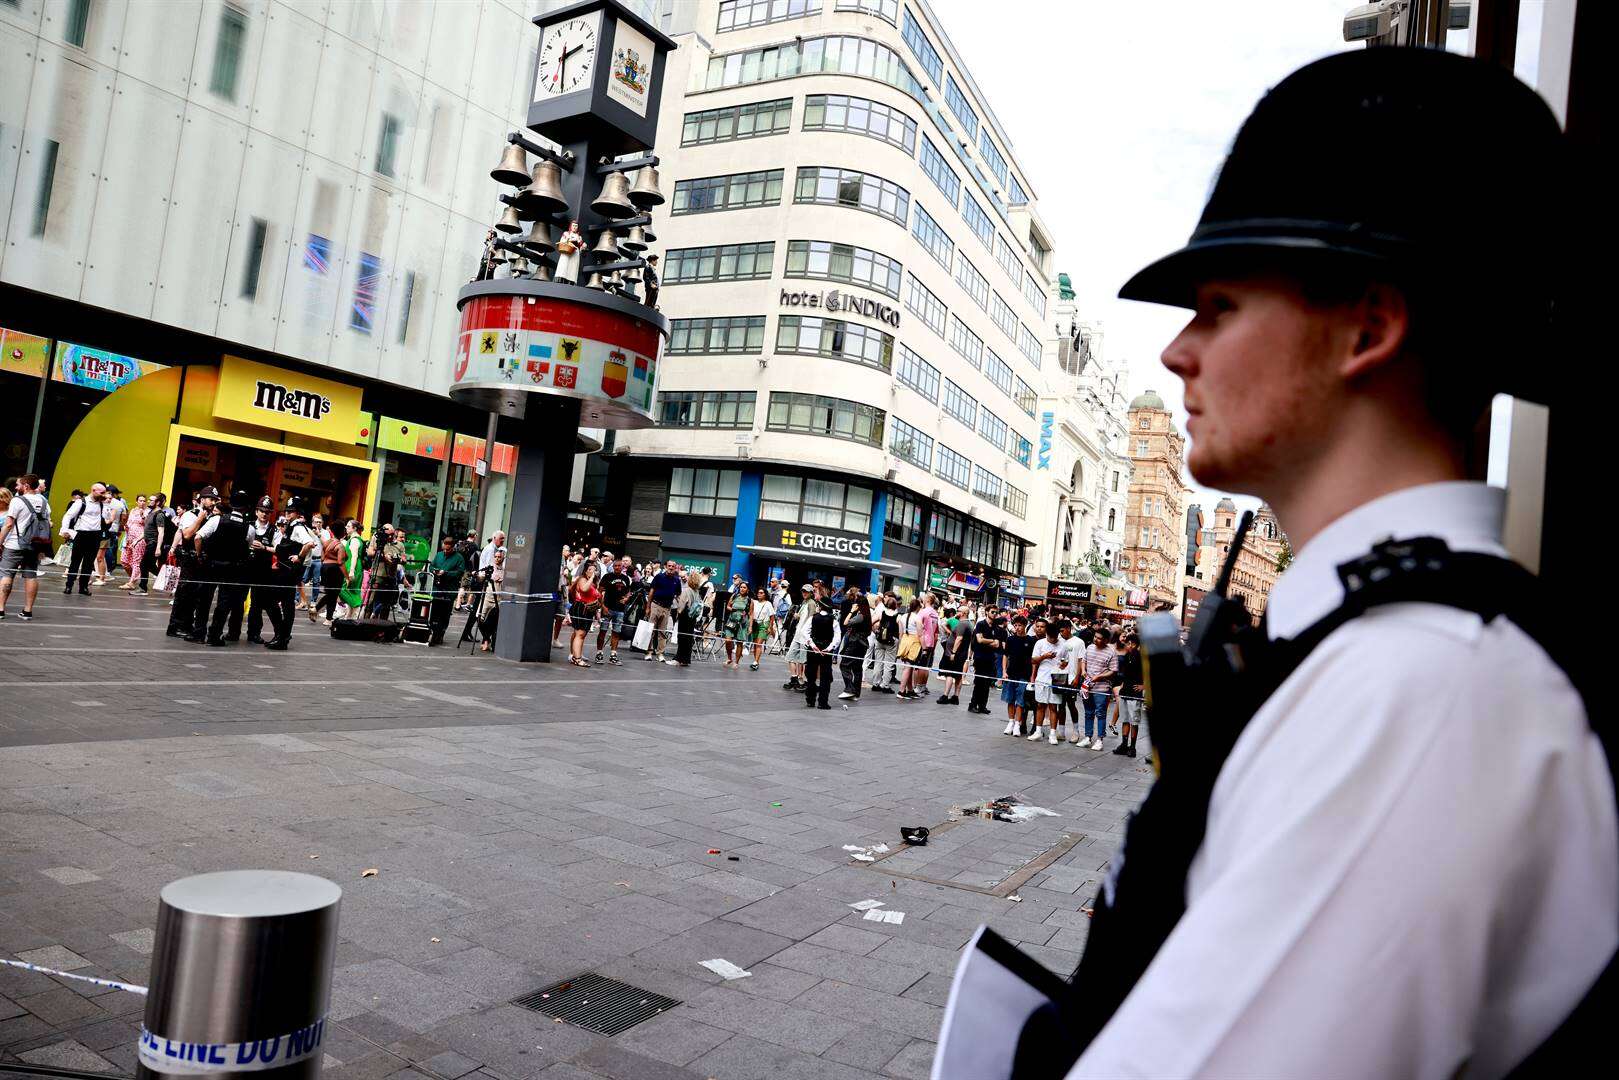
pixel 260 555
pixel 1381 841
pixel 222 552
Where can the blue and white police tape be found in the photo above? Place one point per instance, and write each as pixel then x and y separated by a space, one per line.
pixel 180 1058
pixel 69 975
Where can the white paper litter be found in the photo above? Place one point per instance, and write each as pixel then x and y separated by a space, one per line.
pixel 863 857
pixel 865 854
pixel 725 969
pixel 866 905
pixel 1024 811
pixel 895 917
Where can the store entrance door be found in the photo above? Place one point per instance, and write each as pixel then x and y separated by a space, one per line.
pixel 328 488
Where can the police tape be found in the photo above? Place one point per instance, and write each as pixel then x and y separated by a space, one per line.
pixel 69 975
pixel 185 1058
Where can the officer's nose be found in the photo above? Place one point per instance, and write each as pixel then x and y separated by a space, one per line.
pixel 1180 356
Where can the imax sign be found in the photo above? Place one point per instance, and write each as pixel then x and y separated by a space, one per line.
pixel 1048 421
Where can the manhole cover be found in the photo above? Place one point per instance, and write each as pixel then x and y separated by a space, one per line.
pixel 597 1003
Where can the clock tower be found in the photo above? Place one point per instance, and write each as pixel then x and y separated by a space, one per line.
pixel 559 329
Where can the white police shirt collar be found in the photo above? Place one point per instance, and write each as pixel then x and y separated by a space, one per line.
pixel 1467 516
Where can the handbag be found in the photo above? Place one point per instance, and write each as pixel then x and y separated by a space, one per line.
pixel 64 555
pixel 909 648
pixel 643 635
pixel 167 577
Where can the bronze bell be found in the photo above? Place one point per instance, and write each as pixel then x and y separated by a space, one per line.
pixel 612 201
pixel 546 188
pixel 509 222
pixel 606 245
pixel 539 238
pixel 542 271
pixel 636 241
pixel 513 167
pixel 595 282
pixel 645 192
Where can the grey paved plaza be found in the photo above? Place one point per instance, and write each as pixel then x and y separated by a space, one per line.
pixel 527 824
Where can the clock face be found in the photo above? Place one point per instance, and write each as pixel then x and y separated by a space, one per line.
pixel 567 57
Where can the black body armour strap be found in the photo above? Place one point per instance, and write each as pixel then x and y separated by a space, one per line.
pixel 1145 895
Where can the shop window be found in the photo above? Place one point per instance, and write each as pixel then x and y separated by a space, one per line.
pixel 228 52
pixel 945 532
pixel 904 521
pixel 706 492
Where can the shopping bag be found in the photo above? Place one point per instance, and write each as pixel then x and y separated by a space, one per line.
pixel 167 578
pixel 63 555
pixel 643 635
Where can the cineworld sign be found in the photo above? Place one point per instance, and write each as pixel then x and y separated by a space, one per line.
pixel 838 545
pixel 1047 422
pixel 833 301
pixel 278 399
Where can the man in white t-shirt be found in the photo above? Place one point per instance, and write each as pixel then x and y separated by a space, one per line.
pixel 1047 663
pixel 1070 654
pixel 28 517
pixel 86 524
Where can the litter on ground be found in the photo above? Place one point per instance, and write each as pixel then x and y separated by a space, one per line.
pixel 1007 808
pixel 725 969
pixel 895 917
pixel 866 905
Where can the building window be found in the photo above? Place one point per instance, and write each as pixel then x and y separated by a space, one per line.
pixel 841 112
pixel 920 299
pixel 817 414
pixel 999 372
pixel 1035 294
pixel 1001 312
pixel 367 279
pixel 942 175
pixel 978 221
pixel 933 238
pixel 1016 502
pixel 953 468
pixel 387 144
pixel 741 14
pixel 826 503
pixel 258 233
pixel 1115 481
pixel 1007 257
pixel 828 261
pixel 1023 396
pixel 960 404
pixel 1141 447
pixel 846 187
pixel 992 157
pixel 904 522
pixel 1022 449
pixel 724 262
pixel 47 181
pixel 812 335
pixel 731 334
pixel 228 47
pixel 1145 423
pixel 706 408
pixel 965 342
pixel 840 54
pixel 1028 344
pixel 883 9
pixel 406 302
pixel 910 444
pixel 708 492
pixel 957 101
pixel 975 284
pixel 750 121
pixel 944 532
pixel 986 485
pixel 918 374
pixel 77 22
pixel 735 192
pixel 1015 194
pixel 1113 523
pixel 993 429
pixel 925 53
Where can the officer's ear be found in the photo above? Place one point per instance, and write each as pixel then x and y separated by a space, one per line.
pixel 1378 328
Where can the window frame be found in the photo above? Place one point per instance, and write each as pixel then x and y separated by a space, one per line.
pixel 714 495
pixel 878 342
pixel 761 255
pixel 924 381
pixel 791 9
pixel 808 183
pixel 959 405
pixel 939 171
pixel 697 404
pixel 925 304
pixel 790 401
pixel 921 444
pixel 709 324
pixel 769 179
pixel 850 104
pixel 780 110
pixel 832 250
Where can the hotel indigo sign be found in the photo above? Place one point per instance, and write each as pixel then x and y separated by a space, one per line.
pixel 837 301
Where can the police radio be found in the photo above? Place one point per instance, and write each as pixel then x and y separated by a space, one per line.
pixel 1179 678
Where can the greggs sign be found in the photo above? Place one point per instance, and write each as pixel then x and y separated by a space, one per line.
pixel 265 396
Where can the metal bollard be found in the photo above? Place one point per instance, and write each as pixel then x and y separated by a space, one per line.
pixel 241 974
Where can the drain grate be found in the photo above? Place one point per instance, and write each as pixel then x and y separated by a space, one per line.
pixel 597 1003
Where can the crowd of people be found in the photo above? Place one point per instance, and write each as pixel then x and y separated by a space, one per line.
pixel 1055 676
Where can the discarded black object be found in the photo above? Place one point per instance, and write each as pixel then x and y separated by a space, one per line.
pixel 734 858
pixel 914 834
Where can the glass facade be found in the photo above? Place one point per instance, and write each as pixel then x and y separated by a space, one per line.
pixel 918 374
pixel 706 408
pixel 720 334
pixel 846 187
pixel 738 191
pixel 835 339
pixel 862 116
pixel 817 414
pixel 828 261
pixel 933 238
pixel 724 262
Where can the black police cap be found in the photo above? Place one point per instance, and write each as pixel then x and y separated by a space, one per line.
pixel 1438 172
pixel 266 503
pixel 241 499
pixel 209 492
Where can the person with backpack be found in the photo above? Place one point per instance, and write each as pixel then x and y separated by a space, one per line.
pixel 884 639
pixel 25 537
pixel 85 526
pixel 222 554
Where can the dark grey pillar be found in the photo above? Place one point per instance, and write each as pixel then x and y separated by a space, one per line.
pixel 547 443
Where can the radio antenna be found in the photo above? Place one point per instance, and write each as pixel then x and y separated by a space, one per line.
pixel 1236 548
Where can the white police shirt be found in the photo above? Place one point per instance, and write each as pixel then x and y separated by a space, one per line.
pixel 1411 867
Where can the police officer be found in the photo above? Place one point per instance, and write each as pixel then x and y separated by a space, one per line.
pixel 260 555
pixel 1395 853
pixel 222 559
pixel 183 614
pixel 293 543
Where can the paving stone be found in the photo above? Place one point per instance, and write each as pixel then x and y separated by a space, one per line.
pixel 868 1046
pixel 449 1065
pixel 69 875
pixel 860 970
pixel 61 1007
pixel 409 998
pixel 770 1021
pixel 55 956
pixel 67 1054
pixel 741 945
pixel 620 1063
pixel 744 1058
pixel 914 1062
pixel 673 1037
pixel 140 941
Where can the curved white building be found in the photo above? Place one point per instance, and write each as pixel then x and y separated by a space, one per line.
pixel 858 281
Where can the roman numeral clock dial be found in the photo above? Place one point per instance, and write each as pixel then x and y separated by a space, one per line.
pixel 567 58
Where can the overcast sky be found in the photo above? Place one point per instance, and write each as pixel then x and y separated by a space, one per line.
pixel 1120 112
